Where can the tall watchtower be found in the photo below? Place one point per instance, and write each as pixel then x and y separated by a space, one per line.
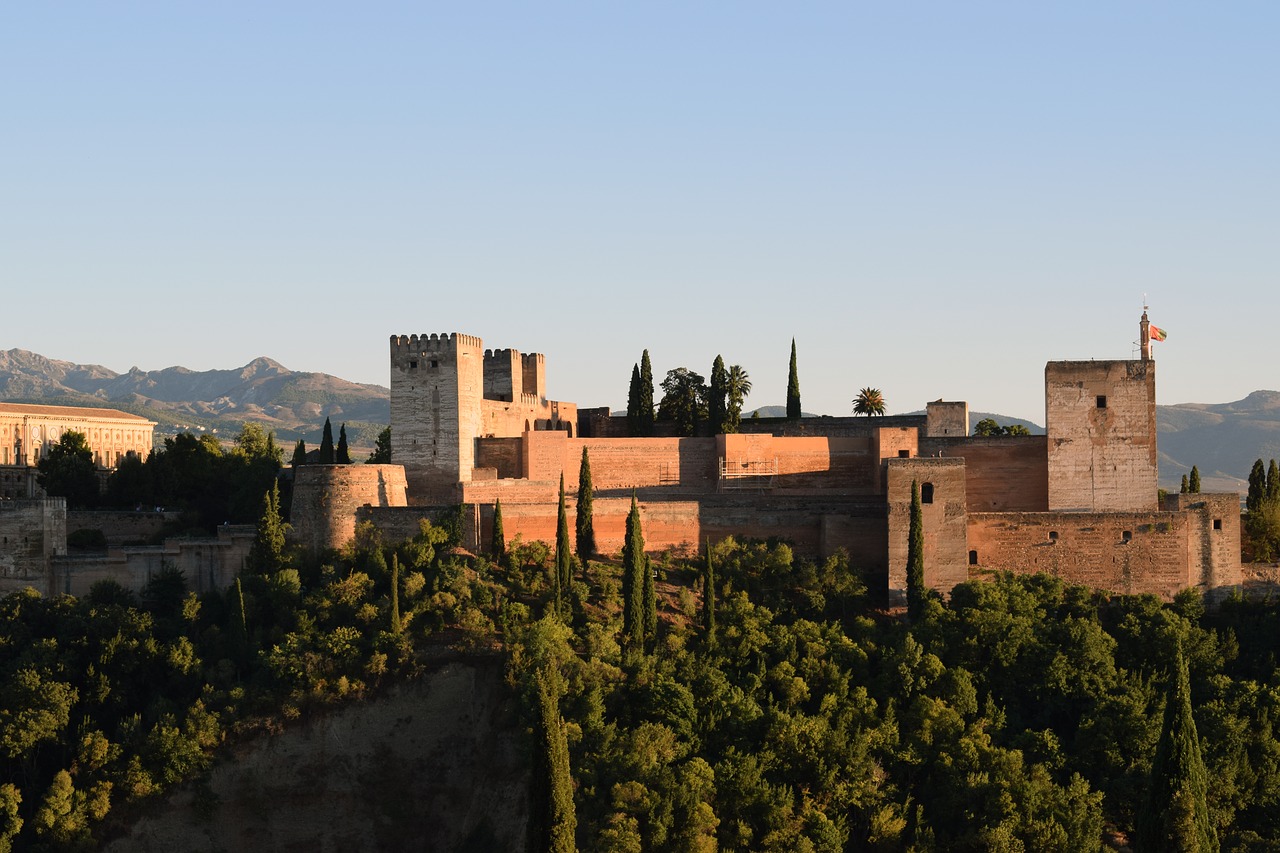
pixel 437 383
pixel 1100 417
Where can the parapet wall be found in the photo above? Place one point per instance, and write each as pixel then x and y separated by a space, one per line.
pixel 942 493
pixel 31 533
pixel 1002 473
pixel 326 497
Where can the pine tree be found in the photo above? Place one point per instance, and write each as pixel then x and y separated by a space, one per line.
pixel 793 386
pixel 326 444
pixel 564 559
pixel 718 399
pixel 585 524
pixel 266 555
pixel 1175 813
pixel 1257 487
pixel 343 454
pixel 644 400
pixel 633 403
pixel 499 548
pixel 709 599
pixel 552 819
pixel 1194 482
pixel 1185 488
pixel 299 454
pixel 395 594
pixel 633 581
pixel 915 557
pixel 381 454
pixel 1273 481
pixel 650 607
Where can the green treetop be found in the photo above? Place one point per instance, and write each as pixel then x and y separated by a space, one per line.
pixel 738 387
pixel 267 552
pixel 1193 483
pixel 718 396
pixel 326 444
pixel 299 454
pixel 793 386
pixel 869 402
pixel 915 556
pixel 499 549
pixel 564 559
pixel 633 564
pixel 684 400
pixel 67 470
pixel 585 525
pixel 343 454
pixel 644 400
pixel 381 454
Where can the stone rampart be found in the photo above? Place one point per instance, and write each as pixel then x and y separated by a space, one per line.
pixel 942 502
pixel 1002 474
pixel 120 527
pixel 326 497
pixel 31 533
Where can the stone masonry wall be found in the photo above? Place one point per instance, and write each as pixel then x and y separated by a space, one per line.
pixel 1101 424
pixel 326 497
pixel 943 516
pixel 31 533
pixel 1002 474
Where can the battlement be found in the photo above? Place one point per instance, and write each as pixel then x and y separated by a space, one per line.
pixel 437 343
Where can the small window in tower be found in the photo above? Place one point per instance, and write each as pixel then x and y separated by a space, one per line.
pixel 904 454
pixel 926 493
pixel 435 363
pixel 1127 536
pixel 973 558
pixel 1217 524
pixel 1102 401
pixel 413 364
pixel 1053 536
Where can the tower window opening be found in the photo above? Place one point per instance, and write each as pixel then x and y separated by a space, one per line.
pixel 904 454
pixel 413 364
pixel 1102 401
pixel 926 493
pixel 973 558
pixel 1217 524
pixel 1053 536
pixel 1127 536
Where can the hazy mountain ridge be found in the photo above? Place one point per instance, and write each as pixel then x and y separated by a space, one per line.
pixel 294 404
pixel 1221 439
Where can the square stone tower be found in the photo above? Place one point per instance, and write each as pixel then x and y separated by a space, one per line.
pixel 1100 417
pixel 437 383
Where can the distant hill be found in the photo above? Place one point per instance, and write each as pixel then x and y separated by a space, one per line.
pixel 219 401
pixel 1221 439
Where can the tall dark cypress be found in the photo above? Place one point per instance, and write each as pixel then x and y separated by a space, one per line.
pixel 793 386
pixel 1257 487
pixel 266 555
pixel 552 819
pixel 718 399
pixel 1193 483
pixel 650 606
pixel 633 581
pixel 644 400
pixel 499 549
pixel 1273 482
pixel 300 454
pixel 915 556
pixel 395 594
pixel 633 402
pixel 1175 813
pixel 343 454
pixel 1185 488
pixel 584 523
pixel 564 559
pixel 709 599
pixel 326 444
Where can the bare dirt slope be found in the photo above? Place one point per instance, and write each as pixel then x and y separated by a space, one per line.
pixel 438 764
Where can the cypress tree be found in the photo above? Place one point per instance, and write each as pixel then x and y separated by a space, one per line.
pixel 395 594
pixel 1257 487
pixel 343 454
pixel 644 400
pixel 1175 813
pixel 633 581
pixel 564 560
pixel 240 628
pixel 1194 483
pixel 326 444
pixel 1273 481
pixel 499 535
pixel 633 402
pixel 299 454
pixel 552 819
pixel 718 399
pixel 267 552
pixel 584 523
pixel 1185 488
pixel 793 386
pixel 650 606
pixel 915 556
pixel 709 599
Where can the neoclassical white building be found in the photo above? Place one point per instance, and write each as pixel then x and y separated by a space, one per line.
pixel 28 431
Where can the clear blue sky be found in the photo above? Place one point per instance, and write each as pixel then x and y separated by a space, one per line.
pixel 932 198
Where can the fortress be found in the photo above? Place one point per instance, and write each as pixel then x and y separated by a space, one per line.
pixel 473 426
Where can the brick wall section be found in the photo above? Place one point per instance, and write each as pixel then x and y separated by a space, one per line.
pixel 504 455
pixel 1101 458
pixel 31 533
pixel 945 551
pixel 207 564
pixel 1090 548
pixel 842 427
pixel 947 419
pixel 326 497
pixel 1002 474
pixel 503 374
pixel 1214 548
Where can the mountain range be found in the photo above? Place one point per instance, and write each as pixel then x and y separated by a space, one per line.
pixel 1221 439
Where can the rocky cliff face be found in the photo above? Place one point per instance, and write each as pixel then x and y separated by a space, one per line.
pixel 437 764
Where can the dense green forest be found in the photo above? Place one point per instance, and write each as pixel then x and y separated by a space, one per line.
pixel 744 699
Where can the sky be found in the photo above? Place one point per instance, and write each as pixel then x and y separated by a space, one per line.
pixel 932 199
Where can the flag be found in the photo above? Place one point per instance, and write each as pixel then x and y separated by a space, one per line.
pixel 1158 334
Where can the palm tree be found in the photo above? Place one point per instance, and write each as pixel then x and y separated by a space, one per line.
pixel 869 402
pixel 737 387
